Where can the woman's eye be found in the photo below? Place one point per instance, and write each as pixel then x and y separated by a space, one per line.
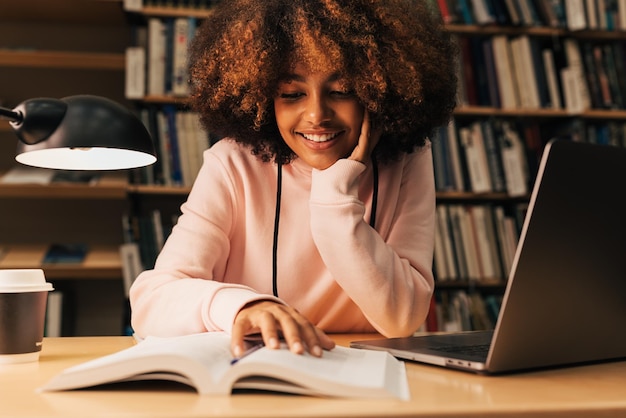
pixel 342 93
pixel 290 96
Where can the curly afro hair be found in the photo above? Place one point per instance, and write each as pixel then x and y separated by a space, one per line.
pixel 400 63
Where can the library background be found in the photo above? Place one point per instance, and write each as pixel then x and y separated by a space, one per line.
pixel 529 71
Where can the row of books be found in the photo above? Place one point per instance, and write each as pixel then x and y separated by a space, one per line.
pixel 157 63
pixel 476 242
pixel 569 14
pixel 147 233
pixel 488 155
pixel 461 310
pixel 180 141
pixel 137 5
pixel 502 155
pixel 525 72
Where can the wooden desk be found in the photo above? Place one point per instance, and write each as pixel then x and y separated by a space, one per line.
pixel 586 391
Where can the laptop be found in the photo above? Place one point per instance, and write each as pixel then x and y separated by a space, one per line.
pixel 565 300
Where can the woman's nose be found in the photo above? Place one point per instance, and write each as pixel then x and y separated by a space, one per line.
pixel 318 111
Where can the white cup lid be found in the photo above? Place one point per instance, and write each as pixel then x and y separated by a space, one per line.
pixel 23 280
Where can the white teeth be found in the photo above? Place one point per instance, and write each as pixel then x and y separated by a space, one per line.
pixel 320 138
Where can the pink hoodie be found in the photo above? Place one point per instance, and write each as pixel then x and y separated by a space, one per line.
pixel 332 266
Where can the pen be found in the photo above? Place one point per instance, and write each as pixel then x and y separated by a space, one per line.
pixel 246 353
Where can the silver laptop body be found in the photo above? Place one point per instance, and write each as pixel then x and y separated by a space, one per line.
pixel 565 301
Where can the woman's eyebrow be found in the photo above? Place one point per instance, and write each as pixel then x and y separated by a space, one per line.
pixel 297 77
pixel 287 78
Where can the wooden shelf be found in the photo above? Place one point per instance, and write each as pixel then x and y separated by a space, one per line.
pixel 469 284
pixel 147 189
pixel 483 111
pixel 544 31
pixel 112 185
pixel 102 262
pixel 471 196
pixel 174 12
pixel 92 12
pixel 63 59
pixel 164 99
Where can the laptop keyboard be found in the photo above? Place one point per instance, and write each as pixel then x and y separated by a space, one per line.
pixel 478 349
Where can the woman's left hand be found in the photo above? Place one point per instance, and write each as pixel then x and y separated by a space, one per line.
pixel 367 141
pixel 272 319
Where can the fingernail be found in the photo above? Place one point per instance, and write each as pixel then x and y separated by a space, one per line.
pixel 316 351
pixel 273 343
pixel 296 347
pixel 237 351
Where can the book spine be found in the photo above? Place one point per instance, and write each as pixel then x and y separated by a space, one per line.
pixel 135 76
pixel 181 40
pixel 156 57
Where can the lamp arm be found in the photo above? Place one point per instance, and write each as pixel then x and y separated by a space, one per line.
pixel 10 114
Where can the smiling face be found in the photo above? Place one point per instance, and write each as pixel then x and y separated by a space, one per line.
pixel 318 116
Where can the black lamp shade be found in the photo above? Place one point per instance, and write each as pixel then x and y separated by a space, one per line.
pixel 81 133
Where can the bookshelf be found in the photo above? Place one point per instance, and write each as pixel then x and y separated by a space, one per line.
pixel 84 51
pixel 58 49
pixel 532 125
pixel 595 29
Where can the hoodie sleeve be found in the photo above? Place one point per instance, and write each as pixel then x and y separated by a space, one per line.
pixel 388 274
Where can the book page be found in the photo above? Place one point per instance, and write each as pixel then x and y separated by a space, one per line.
pixel 202 359
pixel 345 372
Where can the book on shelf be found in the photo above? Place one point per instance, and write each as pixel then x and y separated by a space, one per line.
pixel 491 73
pixel 204 362
pixel 461 310
pixel 576 89
pixel 504 77
pixel 168 22
pixel 457 241
pixel 130 255
pixel 614 66
pixel 184 31
pixel 60 312
pixel 483 15
pixel 552 80
pixel 513 12
pixel 133 5
pixel 65 253
pixel 135 76
pixel 492 151
pixel 472 143
pixel 21 174
pixel 575 14
pixel 174 133
pixel 156 56
pixel 53 326
pixel 512 153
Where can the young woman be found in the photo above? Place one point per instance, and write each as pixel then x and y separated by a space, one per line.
pixel 315 213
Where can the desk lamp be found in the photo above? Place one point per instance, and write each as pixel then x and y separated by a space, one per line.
pixel 79 133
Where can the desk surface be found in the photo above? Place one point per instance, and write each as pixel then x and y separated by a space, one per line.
pixel 597 390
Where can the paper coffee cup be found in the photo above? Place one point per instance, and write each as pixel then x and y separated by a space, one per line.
pixel 23 298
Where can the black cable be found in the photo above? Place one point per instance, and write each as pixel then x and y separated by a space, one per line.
pixel 279 187
pixel 374 193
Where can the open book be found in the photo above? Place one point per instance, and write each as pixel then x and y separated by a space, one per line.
pixel 203 361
